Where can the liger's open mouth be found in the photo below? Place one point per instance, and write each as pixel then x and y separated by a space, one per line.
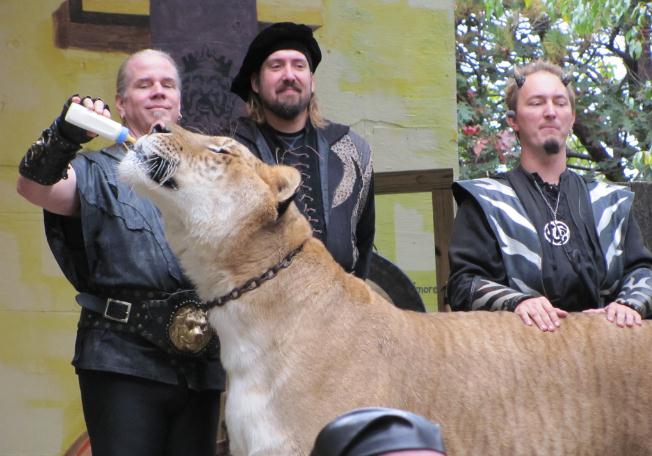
pixel 159 169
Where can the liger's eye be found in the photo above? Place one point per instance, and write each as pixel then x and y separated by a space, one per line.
pixel 218 149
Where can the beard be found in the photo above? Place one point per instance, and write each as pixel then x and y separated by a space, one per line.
pixel 551 146
pixel 288 109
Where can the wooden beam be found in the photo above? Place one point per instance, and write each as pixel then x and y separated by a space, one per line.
pixel 74 28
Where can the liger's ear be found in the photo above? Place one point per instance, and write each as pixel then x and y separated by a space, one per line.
pixel 283 180
pixel 290 179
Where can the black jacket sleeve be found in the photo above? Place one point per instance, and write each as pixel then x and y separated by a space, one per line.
pixel 636 285
pixel 365 232
pixel 477 280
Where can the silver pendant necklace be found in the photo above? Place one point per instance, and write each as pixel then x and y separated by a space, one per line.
pixel 555 231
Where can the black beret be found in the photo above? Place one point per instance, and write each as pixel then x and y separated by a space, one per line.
pixel 282 35
pixel 377 430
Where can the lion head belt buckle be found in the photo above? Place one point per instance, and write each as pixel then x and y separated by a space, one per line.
pixel 188 329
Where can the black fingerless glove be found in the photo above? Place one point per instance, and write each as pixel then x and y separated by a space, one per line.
pixel 69 131
pixel 46 161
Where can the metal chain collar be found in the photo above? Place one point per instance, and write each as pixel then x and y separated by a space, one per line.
pixel 254 283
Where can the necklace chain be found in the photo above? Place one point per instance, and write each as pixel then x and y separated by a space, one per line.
pixel 555 232
pixel 545 200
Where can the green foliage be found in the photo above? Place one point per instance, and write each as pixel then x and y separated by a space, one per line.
pixel 604 45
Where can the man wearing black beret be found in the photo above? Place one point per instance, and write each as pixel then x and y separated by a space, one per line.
pixel 276 80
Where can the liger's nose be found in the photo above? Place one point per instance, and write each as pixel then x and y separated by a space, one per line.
pixel 160 127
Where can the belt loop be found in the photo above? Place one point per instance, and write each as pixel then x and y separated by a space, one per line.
pixel 125 309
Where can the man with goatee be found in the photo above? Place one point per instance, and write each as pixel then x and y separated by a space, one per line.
pixel 541 240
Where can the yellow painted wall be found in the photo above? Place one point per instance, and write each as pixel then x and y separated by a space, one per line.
pixel 40 413
pixel 388 70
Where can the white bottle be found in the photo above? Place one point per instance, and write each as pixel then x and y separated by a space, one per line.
pixel 89 120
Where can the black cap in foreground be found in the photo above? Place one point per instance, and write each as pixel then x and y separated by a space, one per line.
pixel 376 430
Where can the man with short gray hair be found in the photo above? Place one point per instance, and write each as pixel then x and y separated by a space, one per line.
pixel 144 392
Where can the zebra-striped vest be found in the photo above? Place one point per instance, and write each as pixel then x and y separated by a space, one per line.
pixel 519 241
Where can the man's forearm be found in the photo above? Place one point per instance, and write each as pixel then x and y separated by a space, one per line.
pixel 46 161
pixel 477 293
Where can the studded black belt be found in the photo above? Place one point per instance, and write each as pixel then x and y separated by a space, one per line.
pixel 177 323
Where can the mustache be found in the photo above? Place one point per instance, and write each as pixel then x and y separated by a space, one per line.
pixel 289 85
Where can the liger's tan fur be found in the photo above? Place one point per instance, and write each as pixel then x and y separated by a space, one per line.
pixel 315 341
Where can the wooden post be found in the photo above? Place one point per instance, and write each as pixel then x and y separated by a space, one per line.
pixel 437 182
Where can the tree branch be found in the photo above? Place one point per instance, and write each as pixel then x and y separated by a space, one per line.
pixel 581 168
pixel 570 154
pixel 597 151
